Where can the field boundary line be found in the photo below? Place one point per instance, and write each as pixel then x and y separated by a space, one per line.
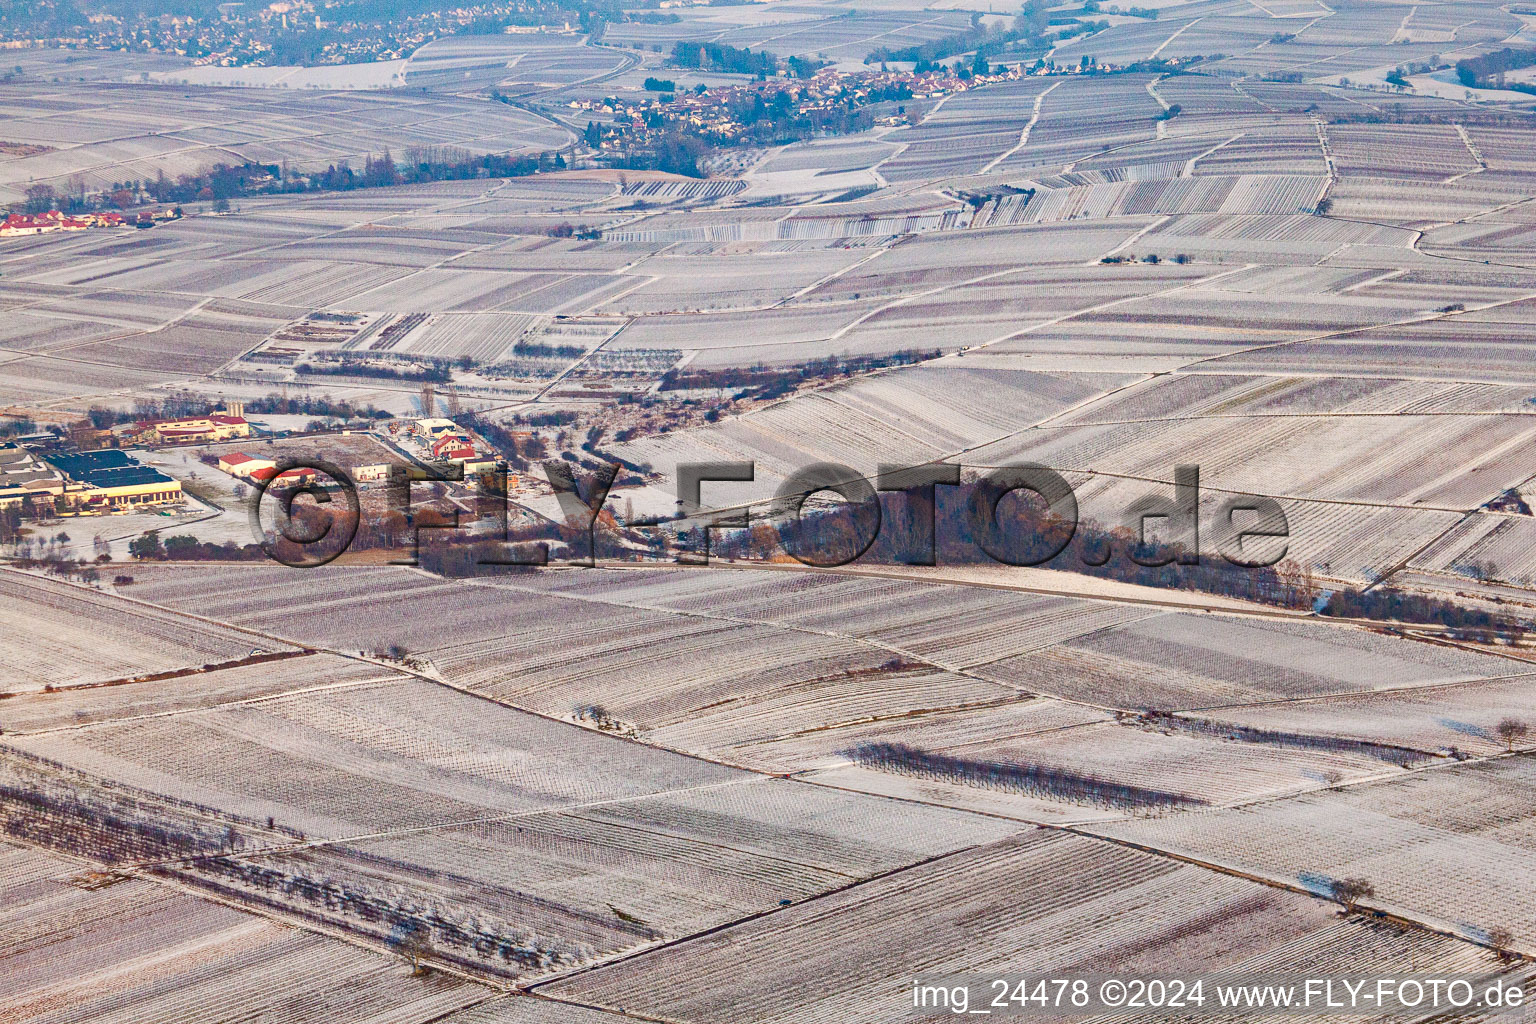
pixel 1024 132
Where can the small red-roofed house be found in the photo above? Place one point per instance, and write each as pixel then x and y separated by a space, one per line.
pixel 241 464
pixel 289 478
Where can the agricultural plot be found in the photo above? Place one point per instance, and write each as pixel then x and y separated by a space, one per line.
pixel 1212 98
pixel 72 708
pixel 545 256
pixel 399 754
pixel 1336 541
pixel 792 335
pixel 1460 717
pixel 268 597
pixel 645 843
pixel 850 36
pixel 1274 240
pixel 758 281
pixel 824 752
pixel 803 680
pixel 144 130
pixel 1006 306
pixel 126 310
pixel 1421 203
pixel 26 332
pixel 301 284
pixel 1342 458
pixel 1145 161
pixel 1090 771
pixel 1086 116
pixel 1504 149
pixel 1223 32
pixel 1180 660
pixel 511 643
pixel 964 135
pixel 128 950
pixel 560 888
pixel 1281 149
pixel 1291 97
pixel 1447 844
pixel 519 1009
pixel 457 291
pixel 1489 296
pixel 93 66
pixel 1234 196
pixel 199 343
pixel 1039 905
pixel 833 224
pixel 1145 658
pixel 61 635
pixel 381 74
pixel 1124 43
pixel 854 425
pixel 1486 547
pixel 944 259
pixel 484 337
pixel 1458 350
pixel 1504 241
pixel 522 64
pixel 1423 152
pixel 827 156
pixel 564 652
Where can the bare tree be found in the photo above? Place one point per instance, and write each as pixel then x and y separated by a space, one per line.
pixel 1350 891
pixel 416 946
pixel 1512 731
pixel 1500 939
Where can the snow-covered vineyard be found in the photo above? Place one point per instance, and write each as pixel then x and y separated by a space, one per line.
pixel 1287 243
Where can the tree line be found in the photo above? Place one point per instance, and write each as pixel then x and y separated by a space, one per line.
pixel 1488 71
pixel 1034 780
pixel 224 182
pixel 721 57
pixel 766 382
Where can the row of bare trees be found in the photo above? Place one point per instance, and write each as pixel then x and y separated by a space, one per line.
pixel 1398 755
pixel 1029 779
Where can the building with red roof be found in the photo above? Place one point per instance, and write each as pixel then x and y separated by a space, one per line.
pixel 224 425
pixel 452 446
pixel 241 464
pixel 288 478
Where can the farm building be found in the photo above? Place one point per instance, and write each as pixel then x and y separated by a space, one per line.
pixel 222 425
pixel 243 465
pixel 288 478
pixel 435 427
pixel 24 475
pixel 103 479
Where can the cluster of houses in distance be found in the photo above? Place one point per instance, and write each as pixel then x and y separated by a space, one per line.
pixel 40 477
pixel 53 220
